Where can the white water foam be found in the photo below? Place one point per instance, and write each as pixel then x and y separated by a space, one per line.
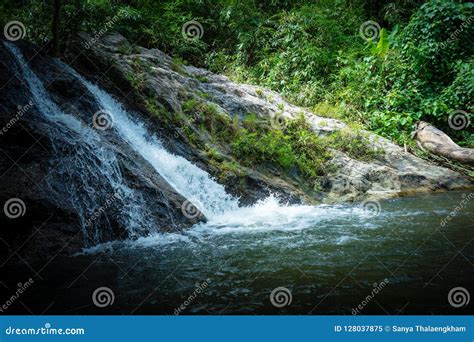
pixel 84 171
pixel 189 180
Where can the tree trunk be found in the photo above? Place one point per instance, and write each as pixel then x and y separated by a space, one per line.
pixel 435 141
pixel 56 23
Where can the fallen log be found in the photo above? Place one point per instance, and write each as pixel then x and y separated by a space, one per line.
pixel 435 141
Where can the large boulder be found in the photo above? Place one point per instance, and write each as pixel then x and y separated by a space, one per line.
pixel 142 74
pixel 41 215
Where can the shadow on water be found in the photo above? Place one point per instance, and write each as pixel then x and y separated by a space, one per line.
pixel 327 259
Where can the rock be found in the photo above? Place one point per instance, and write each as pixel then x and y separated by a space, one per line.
pixel 435 141
pixel 395 172
pixel 34 170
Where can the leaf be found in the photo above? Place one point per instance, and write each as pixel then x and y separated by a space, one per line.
pixel 383 44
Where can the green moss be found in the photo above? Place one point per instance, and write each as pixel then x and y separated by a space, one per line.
pixel 327 110
pixel 154 108
pixel 214 154
pixel 259 93
pixel 139 65
pixel 355 143
pixel 202 79
pixel 208 118
pixel 204 95
pixel 135 80
pixel 296 146
pixel 231 166
pixel 127 49
pixel 250 122
pixel 177 66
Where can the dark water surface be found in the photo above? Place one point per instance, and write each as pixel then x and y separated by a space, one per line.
pixel 328 259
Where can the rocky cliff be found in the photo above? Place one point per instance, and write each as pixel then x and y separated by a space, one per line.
pixel 161 88
pixel 64 176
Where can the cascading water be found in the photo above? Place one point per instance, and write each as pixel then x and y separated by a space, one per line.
pixel 82 162
pixel 221 209
pixel 189 180
pixel 328 257
pixel 83 171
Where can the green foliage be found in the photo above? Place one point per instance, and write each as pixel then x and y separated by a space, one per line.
pixel 426 73
pixel 421 67
pixel 383 45
pixel 209 119
pixel 298 146
pixel 355 143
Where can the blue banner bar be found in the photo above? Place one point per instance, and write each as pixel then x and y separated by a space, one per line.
pixel 236 328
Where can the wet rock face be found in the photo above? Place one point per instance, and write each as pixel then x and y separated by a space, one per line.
pixel 142 74
pixel 36 226
pixel 31 173
pixel 43 221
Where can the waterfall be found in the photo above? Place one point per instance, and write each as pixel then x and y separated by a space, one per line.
pixel 189 180
pixel 83 171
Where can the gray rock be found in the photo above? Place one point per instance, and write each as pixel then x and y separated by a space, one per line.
pixel 31 170
pixel 395 173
